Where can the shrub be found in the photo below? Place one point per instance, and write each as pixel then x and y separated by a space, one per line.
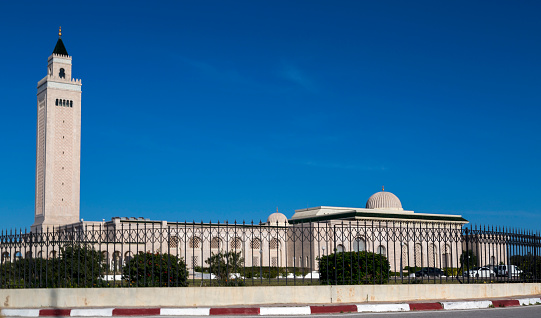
pixel 83 265
pixel 78 265
pixel 344 268
pixel 222 264
pixel 155 270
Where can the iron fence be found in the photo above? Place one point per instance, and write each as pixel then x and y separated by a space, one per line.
pixel 129 253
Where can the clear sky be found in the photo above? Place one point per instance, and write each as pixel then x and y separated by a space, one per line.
pixel 226 110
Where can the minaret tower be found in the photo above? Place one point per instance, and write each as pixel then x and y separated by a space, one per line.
pixel 58 153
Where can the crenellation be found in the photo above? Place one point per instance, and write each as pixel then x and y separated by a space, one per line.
pixel 60 56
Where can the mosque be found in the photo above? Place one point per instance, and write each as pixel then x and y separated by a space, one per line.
pixel 382 226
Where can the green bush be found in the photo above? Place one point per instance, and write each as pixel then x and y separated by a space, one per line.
pixel 350 268
pixel 155 270
pixel 78 265
pixel 83 265
pixel 223 264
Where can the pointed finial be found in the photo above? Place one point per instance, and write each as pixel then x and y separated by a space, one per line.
pixel 276 209
pixel 382 188
pixel 59 32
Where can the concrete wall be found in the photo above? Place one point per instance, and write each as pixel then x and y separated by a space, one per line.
pixel 223 296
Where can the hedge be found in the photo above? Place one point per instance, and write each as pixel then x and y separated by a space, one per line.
pixel 352 268
pixel 155 270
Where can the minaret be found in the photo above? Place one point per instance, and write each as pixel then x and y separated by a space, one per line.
pixel 58 153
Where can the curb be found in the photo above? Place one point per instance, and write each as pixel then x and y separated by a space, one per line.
pixel 265 311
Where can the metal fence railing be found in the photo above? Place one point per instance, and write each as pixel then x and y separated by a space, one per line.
pixel 147 253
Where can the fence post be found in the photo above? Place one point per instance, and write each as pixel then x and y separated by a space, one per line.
pixel 535 245
pixel 334 251
pixel 466 256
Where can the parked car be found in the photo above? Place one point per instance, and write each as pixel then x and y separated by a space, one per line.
pixel 484 272
pixel 503 270
pixel 428 272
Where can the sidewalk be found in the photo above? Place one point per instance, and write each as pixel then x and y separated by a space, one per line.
pixel 272 310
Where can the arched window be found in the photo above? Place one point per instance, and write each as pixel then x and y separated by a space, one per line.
pixel 405 260
pixel 418 255
pixel 117 261
pixel 215 243
pixel 359 245
pixel 339 248
pixel 236 243
pixel 432 248
pixel 5 257
pixel 56 103
pixel 256 244
pixel 71 103
pixel 445 257
pixel 273 244
pixel 52 254
pixel 62 73
pixel 195 242
pixel 105 257
pixel 382 250
pixel 128 256
pixel 173 241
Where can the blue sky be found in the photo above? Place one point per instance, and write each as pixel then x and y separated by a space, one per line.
pixel 226 110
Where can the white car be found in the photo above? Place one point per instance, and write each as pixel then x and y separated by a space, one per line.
pixel 503 270
pixel 484 272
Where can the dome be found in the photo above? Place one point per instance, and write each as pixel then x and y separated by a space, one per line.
pixel 277 218
pixel 384 200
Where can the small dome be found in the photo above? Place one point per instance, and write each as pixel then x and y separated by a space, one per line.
pixel 384 200
pixel 277 218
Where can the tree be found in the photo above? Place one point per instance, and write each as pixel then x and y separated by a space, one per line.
pixel 468 260
pixel 155 270
pixel 223 264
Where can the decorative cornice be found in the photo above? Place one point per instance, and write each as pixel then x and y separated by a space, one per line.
pixel 384 216
pixel 73 86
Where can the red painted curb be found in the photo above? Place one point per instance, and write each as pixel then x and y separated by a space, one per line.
pixel 136 312
pixel 54 312
pixel 506 303
pixel 426 306
pixel 234 311
pixel 332 309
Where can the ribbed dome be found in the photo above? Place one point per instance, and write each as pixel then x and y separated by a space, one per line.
pixel 384 200
pixel 277 218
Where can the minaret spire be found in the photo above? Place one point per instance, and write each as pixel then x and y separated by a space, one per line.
pixel 60 49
